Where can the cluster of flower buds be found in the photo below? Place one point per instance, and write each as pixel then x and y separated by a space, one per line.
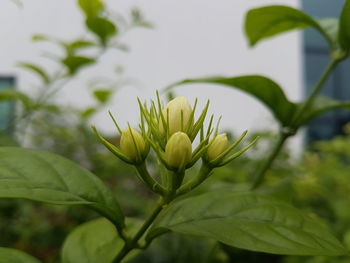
pixel 170 131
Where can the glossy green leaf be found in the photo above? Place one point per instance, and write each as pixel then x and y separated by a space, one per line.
pixel 91 8
pixel 248 221
pixel 37 70
pixel 74 63
pixel 12 94
pixel 262 88
pixel 9 255
pixel 95 241
pixel 322 105
pixel 344 27
pixel 102 95
pixel 47 177
pixel 269 21
pixel 101 27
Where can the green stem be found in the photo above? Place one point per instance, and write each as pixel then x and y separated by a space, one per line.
pixel 148 179
pixel 314 93
pixel 203 174
pixel 261 174
pixel 294 125
pixel 129 246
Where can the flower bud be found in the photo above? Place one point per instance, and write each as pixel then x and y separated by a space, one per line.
pixel 178 112
pixel 217 146
pixel 178 150
pixel 132 144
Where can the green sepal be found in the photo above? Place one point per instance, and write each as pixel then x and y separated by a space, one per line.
pixel 199 151
pixel 239 153
pixel 199 123
pixel 113 149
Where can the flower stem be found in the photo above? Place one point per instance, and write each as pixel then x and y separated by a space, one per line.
pixel 203 174
pixel 308 103
pixel 148 179
pixel 261 174
pixel 133 243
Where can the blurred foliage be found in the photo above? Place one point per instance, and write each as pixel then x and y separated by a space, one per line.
pixel 42 123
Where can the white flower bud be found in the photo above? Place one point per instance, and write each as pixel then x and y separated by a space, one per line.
pixel 217 146
pixel 172 112
pixel 178 150
pixel 132 144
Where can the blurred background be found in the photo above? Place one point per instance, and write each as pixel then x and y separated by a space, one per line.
pixel 188 39
pixel 59 75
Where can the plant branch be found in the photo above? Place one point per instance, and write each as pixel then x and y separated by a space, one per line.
pixel 128 246
pixel 203 174
pixel 308 103
pixel 293 127
pixel 266 166
pixel 148 179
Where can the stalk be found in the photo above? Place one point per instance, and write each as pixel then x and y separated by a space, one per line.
pixel 129 246
pixel 294 125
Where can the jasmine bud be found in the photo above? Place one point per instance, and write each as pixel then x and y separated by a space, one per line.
pixel 177 115
pixel 178 150
pixel 132 145
pixel 217 146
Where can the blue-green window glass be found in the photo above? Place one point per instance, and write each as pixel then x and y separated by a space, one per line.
pixel 316 59
pixel 6 107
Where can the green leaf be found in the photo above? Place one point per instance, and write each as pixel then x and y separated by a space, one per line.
pixel 9 255
pixel 344 27
pixel 37 70
pixel 91 8
pixel 175 248
pixel 7 140
pixel 12 94
pixel 72 47
pixel 262 88
pixel 87 113
pixel 322 105
pixel 269 21
pixel 101 27
pixel 248 221
pixel 49 178
pixel 39 38
pixel 95 241
pixel 137 18
pixel 74 63
pixel 102 95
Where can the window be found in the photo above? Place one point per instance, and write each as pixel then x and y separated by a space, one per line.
pixel 316 59
pixel 6 107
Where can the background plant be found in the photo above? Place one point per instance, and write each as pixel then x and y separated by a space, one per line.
pixel 42 122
